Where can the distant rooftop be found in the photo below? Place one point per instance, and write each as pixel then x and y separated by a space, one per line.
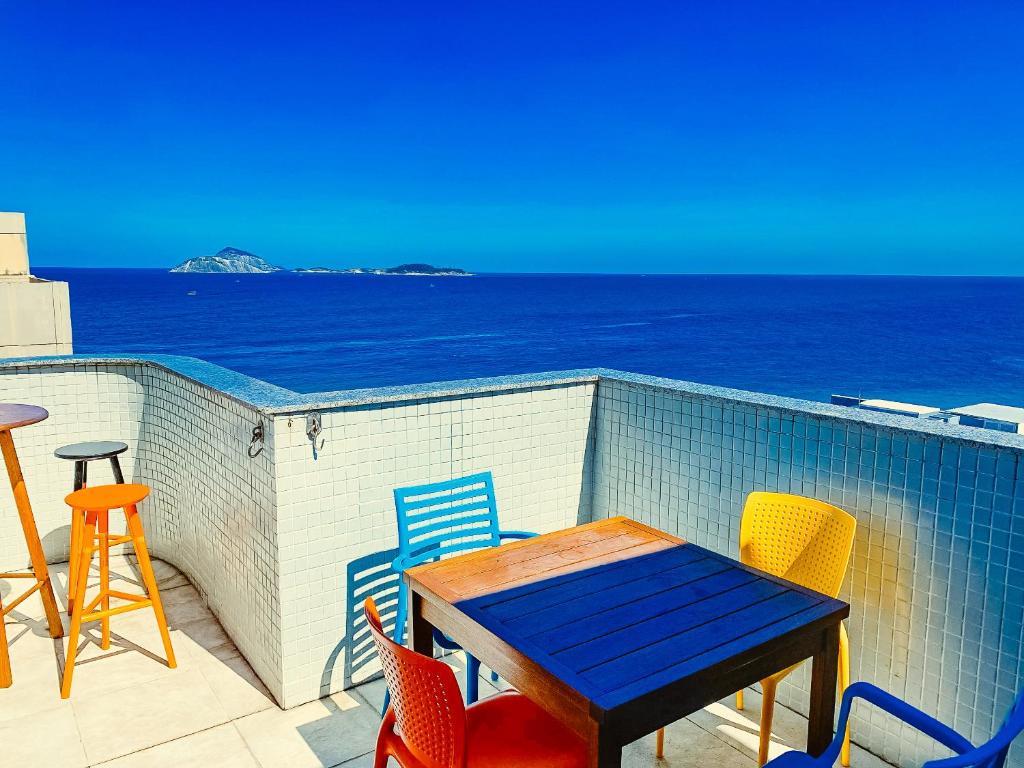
pixel 991 411
pixel 894 406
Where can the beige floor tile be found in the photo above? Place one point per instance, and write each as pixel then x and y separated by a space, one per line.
pixel 144 715
pixel 222 747
pixel 206 637
pixel 35 667
pixel 125 665
pixel 686 744
pixel 320 734
pixel 236 686
pixel 42 740
pixel 363 761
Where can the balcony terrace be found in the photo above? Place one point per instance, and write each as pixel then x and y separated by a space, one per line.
pixel 258 538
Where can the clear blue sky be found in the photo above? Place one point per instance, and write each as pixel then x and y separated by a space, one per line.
pixel 656 137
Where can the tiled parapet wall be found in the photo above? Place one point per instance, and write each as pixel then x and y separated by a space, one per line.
pixel 936 581
pixel 338 505
pixel 212 509
pixel 268 540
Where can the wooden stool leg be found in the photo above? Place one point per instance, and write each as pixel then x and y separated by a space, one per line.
pixel 28 525
pixel 104 545
pixel 77 524
pixel 88 547
pixel 5 658
pixel 659 745
pixel 149 579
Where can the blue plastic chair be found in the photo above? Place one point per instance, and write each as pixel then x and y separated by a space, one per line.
pixel 991 754
pixel 440 519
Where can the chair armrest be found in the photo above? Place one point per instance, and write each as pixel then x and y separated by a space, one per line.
pixel 516 534
pixel 898 708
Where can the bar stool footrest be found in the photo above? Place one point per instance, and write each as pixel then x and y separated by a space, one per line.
pixel 97 615
pixel 15 603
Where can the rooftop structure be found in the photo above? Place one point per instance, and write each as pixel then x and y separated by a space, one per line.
pixel 893 406
pixel 1005 418
pixel 35 314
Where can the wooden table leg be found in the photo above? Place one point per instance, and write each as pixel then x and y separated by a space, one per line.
pixel 28 525
pixel 421 632
pixel 824 673
pixel 602 750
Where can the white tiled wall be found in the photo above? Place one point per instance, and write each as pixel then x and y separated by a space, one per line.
pixel 267 541
pixel 936 581
pixel 212 509
pixel 338 505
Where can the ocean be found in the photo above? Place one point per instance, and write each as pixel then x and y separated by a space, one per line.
pixel 937 341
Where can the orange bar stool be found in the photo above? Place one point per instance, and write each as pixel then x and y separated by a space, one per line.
pixel 82 454
pixel 94 505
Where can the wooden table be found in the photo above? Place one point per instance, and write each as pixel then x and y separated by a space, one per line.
pixel 12 416
pixel 618 629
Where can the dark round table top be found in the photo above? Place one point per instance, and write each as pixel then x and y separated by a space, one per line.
pixel 98 449
pixel 14 415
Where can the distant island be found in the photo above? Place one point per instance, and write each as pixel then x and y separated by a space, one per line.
pixel 408 269
pixel 231 260
pixel 237 261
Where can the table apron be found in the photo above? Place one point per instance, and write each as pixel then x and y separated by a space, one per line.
pixel 526 676
pixel 675 701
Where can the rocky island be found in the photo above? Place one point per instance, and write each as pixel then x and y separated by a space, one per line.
pixel 230 260
pixel 410 269
pixel 236 261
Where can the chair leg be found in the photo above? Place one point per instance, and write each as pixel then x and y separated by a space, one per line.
pixel 659 744
pixel 844 683
pixel 739 699
pixel 146 568
pixel 84 561
pixel 77 523
pixel 472 679
pixel 104 545
pixel 384 734
pixel 768 687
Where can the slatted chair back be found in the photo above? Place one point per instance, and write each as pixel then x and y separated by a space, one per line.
pixel 440 519
pixel 425 699
pixel 803 540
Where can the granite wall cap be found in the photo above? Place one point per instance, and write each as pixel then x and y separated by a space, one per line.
pixel 274 400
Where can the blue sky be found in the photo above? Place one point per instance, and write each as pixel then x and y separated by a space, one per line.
pixel 634 137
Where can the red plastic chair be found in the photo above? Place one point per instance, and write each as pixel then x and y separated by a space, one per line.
pixel 428 726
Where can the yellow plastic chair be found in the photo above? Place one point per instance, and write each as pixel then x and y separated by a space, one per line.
pixel 805 541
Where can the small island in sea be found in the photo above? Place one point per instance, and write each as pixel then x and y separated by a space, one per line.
pixel 409 269
pixel 228 260
pixel 236 261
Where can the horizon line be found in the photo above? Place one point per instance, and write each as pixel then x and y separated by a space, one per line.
pixel 167 270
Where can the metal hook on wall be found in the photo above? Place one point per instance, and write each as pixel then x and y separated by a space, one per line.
pixel 256 445
pixel 314 430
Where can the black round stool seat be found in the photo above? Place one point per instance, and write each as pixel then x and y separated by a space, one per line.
pixel 83 453
pixel 98 449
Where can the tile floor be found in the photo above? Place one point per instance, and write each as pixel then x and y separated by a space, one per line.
pixel 129 710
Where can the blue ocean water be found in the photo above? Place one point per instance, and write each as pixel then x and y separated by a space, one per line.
pixel 940 341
